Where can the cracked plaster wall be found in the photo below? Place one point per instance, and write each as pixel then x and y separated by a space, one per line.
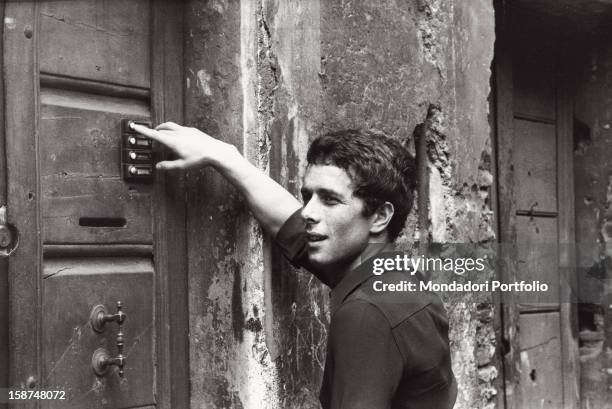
pixel 268 76
pixel 230 364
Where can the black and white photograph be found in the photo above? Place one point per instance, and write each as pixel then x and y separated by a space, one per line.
pixel 306 204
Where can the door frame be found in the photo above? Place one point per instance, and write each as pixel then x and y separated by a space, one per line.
pixel 21 79
pixel 170 240
pixel 4 302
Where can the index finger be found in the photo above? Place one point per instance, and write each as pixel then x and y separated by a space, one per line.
pixel 148 132
pixel 168 126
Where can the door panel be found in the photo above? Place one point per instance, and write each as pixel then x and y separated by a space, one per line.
pixel 80 150
pixel 541 367
pixel 534 77
pixel 536 165
pixel 115 36
pixel 538 259
pixel 72 287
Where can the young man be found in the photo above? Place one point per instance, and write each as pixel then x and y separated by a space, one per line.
pixel 385 351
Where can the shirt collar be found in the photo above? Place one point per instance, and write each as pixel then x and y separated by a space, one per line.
pixel 355 277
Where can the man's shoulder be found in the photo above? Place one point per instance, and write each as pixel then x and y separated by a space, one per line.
pixel 399 304
pixel 360 311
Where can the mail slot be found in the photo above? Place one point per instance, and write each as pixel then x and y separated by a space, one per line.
pixel 137 153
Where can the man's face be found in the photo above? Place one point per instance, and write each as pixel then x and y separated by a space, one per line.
pixel 336 229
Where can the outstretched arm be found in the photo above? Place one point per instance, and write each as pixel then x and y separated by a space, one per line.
pixel 270 202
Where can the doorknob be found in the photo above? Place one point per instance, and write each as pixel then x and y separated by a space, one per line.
pixel 98 317
pixel 9 235
pixel 101 359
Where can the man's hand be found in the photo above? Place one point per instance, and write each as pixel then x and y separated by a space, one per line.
pixel 193 147
pixel 270 202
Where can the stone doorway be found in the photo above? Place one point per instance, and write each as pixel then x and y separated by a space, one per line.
pixel 552 74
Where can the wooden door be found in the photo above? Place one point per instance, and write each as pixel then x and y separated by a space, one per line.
pixel 536 213
pixel 73 70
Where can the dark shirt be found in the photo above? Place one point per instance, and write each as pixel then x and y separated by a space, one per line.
pixel 386 350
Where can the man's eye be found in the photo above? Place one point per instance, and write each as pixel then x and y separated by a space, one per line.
pixel 306 198
pixel 330 200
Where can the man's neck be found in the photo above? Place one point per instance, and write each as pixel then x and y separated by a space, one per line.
pixel 375 246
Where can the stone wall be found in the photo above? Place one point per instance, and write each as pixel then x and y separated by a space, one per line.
pixel 268 76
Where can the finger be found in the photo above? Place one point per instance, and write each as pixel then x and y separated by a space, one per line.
pixel 171 164
pixel 150 133
pixel 168 126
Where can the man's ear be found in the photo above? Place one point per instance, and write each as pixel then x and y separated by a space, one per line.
pixel 381 218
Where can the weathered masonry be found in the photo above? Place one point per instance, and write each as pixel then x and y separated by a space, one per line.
pixel 505 104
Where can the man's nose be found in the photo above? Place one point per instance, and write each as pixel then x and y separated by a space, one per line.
pixel 311 211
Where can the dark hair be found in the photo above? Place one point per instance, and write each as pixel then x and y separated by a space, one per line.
pixel 380 167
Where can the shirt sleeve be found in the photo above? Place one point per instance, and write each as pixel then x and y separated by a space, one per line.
pixel 366 363
pixel 291 238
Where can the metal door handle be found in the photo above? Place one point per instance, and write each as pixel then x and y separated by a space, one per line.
pixel 98 317
pixel 101 359
pixel 9 235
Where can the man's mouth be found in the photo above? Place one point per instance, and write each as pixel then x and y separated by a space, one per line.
pixel 312 237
